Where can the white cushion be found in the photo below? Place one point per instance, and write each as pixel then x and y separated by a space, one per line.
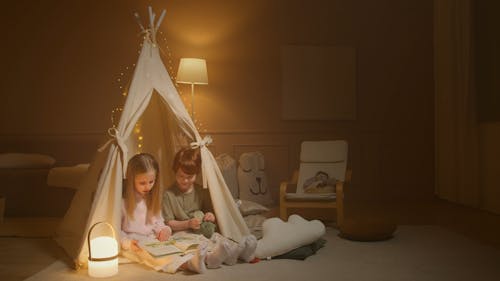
pixel 26 160
pixel 280 237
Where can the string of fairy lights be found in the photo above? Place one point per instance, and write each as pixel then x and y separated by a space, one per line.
pixel 123 82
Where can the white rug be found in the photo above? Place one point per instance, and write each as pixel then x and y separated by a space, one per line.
pixel 415 253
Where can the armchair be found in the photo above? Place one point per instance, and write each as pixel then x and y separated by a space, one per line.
pixel 319 182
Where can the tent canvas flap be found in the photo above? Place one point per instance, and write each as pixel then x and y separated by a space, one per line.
pixel 99 196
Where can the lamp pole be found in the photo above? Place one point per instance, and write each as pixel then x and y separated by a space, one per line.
pixel 192 71
pixel 192 101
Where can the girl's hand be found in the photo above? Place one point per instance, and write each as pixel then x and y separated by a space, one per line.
pixel 209 217
pixel 194 223
pixel 164 233
pixel 134 246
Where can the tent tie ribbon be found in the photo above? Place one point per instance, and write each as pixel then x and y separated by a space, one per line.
pixel 120 141
pixel 202 143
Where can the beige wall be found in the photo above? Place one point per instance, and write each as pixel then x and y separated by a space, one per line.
pixel 62 60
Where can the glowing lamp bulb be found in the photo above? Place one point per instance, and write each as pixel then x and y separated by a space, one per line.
pixel 103 256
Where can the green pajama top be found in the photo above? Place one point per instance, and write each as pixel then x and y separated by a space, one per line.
pixel 182 206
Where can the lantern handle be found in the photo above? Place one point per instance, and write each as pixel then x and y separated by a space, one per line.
pixel 88 242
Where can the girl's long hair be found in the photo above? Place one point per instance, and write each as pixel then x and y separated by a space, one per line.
pixel 139 164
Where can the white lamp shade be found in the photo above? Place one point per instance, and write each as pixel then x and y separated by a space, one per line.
pixel 192 71
pixel 103 247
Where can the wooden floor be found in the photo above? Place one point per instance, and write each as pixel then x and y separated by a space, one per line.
pixel 23 257
pixel 26 246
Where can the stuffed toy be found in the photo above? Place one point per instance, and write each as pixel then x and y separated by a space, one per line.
pixel 252 179
pixel 206 228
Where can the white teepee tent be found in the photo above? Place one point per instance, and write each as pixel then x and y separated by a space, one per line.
pixel 153 102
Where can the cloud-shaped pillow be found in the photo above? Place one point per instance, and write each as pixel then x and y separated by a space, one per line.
pixel 280 237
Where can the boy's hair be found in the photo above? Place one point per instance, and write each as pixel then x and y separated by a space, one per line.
pixel 188 160
pixel 139 164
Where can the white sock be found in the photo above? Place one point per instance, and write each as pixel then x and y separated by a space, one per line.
pixel 197 262
pixel 218 254
pixel 234 250
pixel 250 245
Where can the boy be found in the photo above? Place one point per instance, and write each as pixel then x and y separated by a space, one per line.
pixel 184 204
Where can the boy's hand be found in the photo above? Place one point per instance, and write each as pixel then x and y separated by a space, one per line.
pixel 209 217
pixel 194 223
pixel 164 234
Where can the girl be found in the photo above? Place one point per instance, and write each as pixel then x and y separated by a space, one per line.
pixel 186 206
pixel 142 218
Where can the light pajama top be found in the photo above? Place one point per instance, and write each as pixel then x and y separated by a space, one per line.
pixel 139 225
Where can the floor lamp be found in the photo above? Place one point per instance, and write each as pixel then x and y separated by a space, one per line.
pixel 192 71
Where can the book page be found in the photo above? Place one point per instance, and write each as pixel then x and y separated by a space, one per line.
pixel 185 243
pixel 178 243
pixel 159 248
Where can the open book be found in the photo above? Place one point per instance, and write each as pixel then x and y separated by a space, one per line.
pixel 179 244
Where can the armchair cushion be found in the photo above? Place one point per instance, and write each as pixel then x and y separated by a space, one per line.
pixel 310 197
pixel 322 164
